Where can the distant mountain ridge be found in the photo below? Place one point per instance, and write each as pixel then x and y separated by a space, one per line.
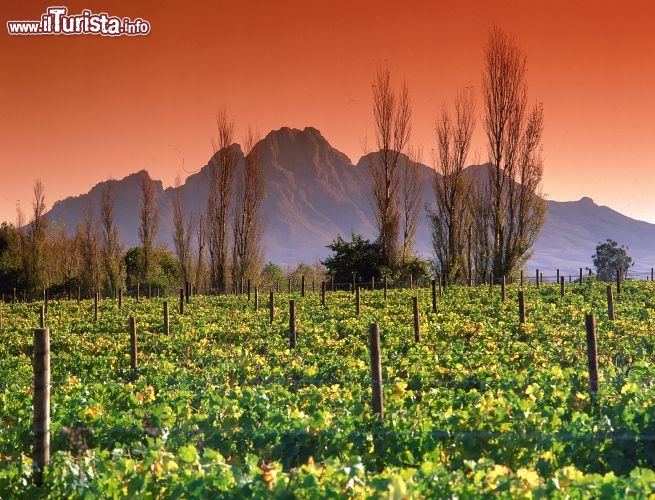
pixel 314 192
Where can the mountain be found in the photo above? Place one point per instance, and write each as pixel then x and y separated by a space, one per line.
pixel 314 192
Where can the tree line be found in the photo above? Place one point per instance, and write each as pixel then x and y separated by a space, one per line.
pixel 483 224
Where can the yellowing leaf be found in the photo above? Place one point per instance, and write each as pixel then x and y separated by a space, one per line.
pixel 530 477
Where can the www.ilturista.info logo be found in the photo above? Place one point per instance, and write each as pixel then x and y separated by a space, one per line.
pixel 56 21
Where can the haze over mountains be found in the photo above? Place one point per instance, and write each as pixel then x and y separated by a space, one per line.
pixel 314 192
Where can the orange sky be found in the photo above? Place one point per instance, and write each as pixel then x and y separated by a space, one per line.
pixel 75 110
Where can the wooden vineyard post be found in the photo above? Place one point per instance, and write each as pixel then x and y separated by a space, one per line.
pixel 313 286
pixel 592 353
pixel 561 286
pixel 376 370
pixel 411 282
pixel 289 285
pixel 372 283
pixel 521 307
pixel 537 278
pixel 120 298
pixel 610 303
pixel 41 402
pixel 302 285
pixel 618 281
pixel 248 289
pixel 558 275
pixel 358 304
pixel 581 276
pixel 385 288
pixel 181 300
pixel 434 295
pixel 133 349
pixel 521 278
pixel 138 291
pixel 167 323
pixel 417 324
pixel 271 306
pixel 292 324
pixel 503 291
pixel 256 297
pixel 323 286
pixel 42 317
pixel 95 307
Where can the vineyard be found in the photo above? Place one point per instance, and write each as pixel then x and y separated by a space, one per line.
pixel 221 406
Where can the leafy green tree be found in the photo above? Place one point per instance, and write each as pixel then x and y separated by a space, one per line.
pixel 271 274
pixel 164 268
pixel 610 258
pixel 357 256
pixel 11 273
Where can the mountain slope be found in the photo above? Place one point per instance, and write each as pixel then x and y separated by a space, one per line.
pixel 314 192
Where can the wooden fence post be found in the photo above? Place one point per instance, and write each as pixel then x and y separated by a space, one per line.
pixel 376 369
pixel 41 402
pixel 618 281
pixel 558 276
pixel 292 324
pixel 133 349
pixel 256 297
pixel 521 307
pixel 521 278
pixel 537 278
pixel 95 307
pixel 561 286
pixel 581 276
pixel 503 291
pixel 323 286
pixel 592 353
pixel 302 285
pixel 610 303
pixel 417 324
pixel 120 298
pixel 358 305
pixel 167 323
pixel 271 306
pixel 248 289
pixel 434 295
pixel 181 300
